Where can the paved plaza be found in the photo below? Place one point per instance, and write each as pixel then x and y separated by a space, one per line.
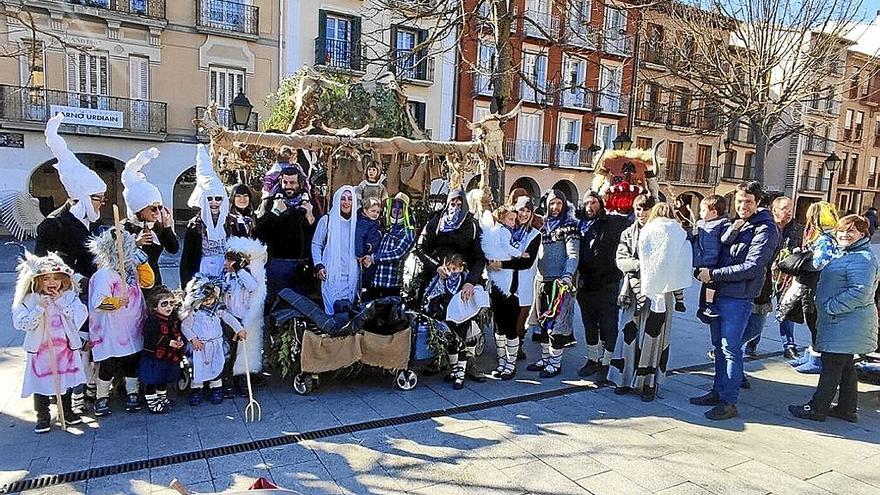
pixel 583 441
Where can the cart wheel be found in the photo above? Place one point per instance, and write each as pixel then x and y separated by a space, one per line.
pixel 302 384
pixel 481 344
pixel 406 380
pixel 185 380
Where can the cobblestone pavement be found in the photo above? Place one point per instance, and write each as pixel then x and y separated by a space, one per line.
pixel 587 441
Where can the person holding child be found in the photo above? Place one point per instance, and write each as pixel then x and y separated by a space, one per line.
pixel 46 306
pixel 382 276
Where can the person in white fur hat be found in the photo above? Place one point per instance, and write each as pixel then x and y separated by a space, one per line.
pixel 147 218
pixel 204 244
pixel 66 230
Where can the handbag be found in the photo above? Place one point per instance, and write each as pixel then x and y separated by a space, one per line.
pixel 796 263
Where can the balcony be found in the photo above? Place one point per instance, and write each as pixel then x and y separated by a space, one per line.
pixel 543 94
pixel 689 173
pixel 737 173
pixel 147 8
pixel 823 105
pixel 741 134
pixel 482 85
pixel 576 158
pixel 811 183
pixel 527 152
pixel 224 118
pixel 339 54
pixel 410 66
pixel 579 33
pixel 672 116
pixel 537 24
pixel 224 17
pixel 484 17
pixel 107 115
pixel 609 102
pixel 872 97
pixel 818 145
pixel 577 98
pixel 617 42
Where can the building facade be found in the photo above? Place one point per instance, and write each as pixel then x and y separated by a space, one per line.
pixel 573 61
pixel 131 75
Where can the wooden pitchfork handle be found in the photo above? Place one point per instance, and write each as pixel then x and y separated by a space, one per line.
pixel 120 251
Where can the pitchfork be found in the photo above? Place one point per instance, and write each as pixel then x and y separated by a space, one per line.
pixel 253 411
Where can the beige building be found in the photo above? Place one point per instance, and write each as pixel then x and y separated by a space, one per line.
pixel 361 39
pixel 129 75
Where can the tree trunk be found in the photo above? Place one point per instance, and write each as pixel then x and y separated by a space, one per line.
pixel 760 154
pixel 501 80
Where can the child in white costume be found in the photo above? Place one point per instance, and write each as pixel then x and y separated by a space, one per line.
pixel 201 314
pixel 245 278
pixel 47 307
pixel 116 315
pixel 497 239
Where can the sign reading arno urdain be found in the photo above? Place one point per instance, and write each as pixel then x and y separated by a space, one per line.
pixel 89 116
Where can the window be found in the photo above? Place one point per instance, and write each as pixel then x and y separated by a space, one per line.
pixel 673 160
pixel 139 91
pixel 605 134
pixel 860 119
pixel 615 31
pixel 847 122
pixel 574 77
pixel 224 86
pixel 568 142
pixel 528 138
pixel 338 41
pixel 33 72
pixel 88 78
pixel 417 110
pixel 704 158
pixel 579 17
pixel 610 79
pixel 409 64
pixel 748 173
pixel 654 45
pixel 534 69
pixel 229 14
pixel 538 18
pixel 485 69
pixel 644 143
pixel 479 114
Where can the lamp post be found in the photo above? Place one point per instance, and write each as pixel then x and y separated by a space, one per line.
pixel 622 142
pixel 831 164
pixel 240 111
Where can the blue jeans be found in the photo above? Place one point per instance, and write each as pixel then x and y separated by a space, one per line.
pixel 727 337
pixel 754 327
pixel 786 331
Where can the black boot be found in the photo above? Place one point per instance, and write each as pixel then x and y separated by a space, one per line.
pixel 41 406
pixel 70 417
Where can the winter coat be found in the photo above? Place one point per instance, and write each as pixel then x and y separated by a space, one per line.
pixel 847 315
pixel 627 258
pixel 288 235
pixel 598 248
pixel 63 233
pixel 707 242
pixel 743 264
pixel 167 242
pixel 465 240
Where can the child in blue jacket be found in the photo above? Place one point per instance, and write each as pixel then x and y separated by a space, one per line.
pixel 707 240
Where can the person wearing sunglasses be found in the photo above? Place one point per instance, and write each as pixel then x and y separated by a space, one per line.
pixel 147 219
pixel 204 243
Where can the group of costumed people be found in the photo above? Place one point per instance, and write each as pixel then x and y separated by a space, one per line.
pixel 617 271
pixel 95 312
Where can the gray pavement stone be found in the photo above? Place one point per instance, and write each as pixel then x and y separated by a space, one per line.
pixel 611 483
pixel 775 480
pixel 686 488
pixel 836 482
pixel 188 473
pixel 137 483
pixel 538 477
pixel 711 478
pixel 240 479
pixel 286 455
pixel 234 462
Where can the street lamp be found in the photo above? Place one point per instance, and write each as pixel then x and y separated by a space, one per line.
pixel 622 142
pixel 240 110
pixel 831 164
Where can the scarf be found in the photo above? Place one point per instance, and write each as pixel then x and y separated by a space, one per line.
pixel 555 223
pixel 453 217
pixel 453 282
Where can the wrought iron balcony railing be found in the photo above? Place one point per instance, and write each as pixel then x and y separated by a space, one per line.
pixel 609 102
pixel 148 8
pixel 339 54
pixel 114 114
pixel 616 42
pixel 813 183
pixel 539 24
pixel 527 151
pixel 734 172
pixel 409 65
pixel 230 16
pixel 689 173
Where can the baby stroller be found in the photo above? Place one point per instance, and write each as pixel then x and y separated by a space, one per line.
pixel 378 338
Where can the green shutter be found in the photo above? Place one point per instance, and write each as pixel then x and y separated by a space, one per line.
pixel 422 57
pixel 321 42
pixel 356 50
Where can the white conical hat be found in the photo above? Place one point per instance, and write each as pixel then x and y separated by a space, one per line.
pixel 208 183
pixel 138 192
pixel 79 181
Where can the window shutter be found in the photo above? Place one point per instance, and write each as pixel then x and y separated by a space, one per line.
pixel 355 53
pixel 422 56
pixel 139 78
pixel 420 115
pixel 72 73
pixel 321 45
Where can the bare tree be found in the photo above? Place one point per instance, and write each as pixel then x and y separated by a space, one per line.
pixel 760 62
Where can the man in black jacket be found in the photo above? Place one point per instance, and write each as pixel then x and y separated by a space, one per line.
pixel 65 234
pixel 286 225
pixel 599 282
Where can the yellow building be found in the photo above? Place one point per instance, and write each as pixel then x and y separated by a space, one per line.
pixel 129 75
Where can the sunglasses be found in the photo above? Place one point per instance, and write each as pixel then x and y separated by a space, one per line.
pixel 218 199
pixel 96 197
pixel 154 208
pixel 166 304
